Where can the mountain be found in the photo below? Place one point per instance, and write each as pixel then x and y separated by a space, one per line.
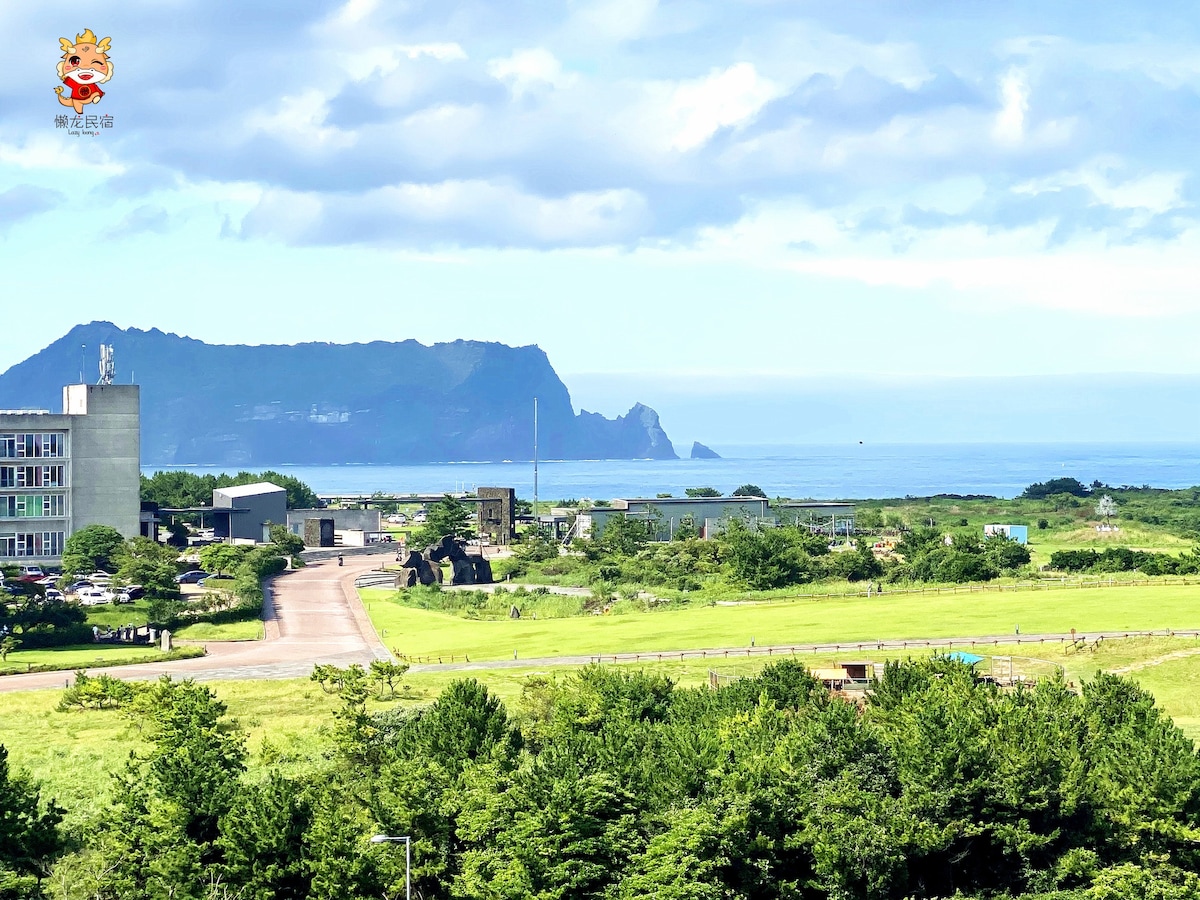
pixel 321 404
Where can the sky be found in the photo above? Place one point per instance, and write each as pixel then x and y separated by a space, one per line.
pixel 686 191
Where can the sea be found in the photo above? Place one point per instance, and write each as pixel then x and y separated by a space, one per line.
pixel 799 471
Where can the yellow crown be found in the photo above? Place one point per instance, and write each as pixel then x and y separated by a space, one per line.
pixel 86 38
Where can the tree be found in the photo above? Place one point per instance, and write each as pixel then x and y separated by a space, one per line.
pixel 702 492
pixel 221 558
pixel 91 549
pixel 1043 489
pixel 29 836
pixel 385 672
pixel 152 566
pixel 765 558
pixel 448 516
pixel 289 544
pixel 750 490
pixel 623 536
pixel 1106 507
pixel 7 646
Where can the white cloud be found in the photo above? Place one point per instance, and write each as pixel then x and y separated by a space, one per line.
pixel 619 20
pixel 1155 192
pixel 1014 95
pixel 699 107
pixel 528 70
pixel 42 152
pixel 432 214
pixel 300 119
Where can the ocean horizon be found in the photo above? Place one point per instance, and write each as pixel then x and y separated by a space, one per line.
pixel 799 471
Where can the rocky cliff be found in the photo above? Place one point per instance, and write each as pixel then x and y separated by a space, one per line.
pixel 321 404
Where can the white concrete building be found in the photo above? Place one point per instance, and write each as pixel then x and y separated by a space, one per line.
pixel 62 472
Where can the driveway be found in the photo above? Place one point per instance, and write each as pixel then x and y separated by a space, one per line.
pixel 312 616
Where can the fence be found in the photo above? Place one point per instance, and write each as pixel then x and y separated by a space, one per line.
pixel 1040 585
pixel 1079 641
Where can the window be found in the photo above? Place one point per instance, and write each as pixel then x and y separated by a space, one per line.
pixel 36 543
pixel 8 476
pixel 33 446
pixel 32 506
pixel 36 476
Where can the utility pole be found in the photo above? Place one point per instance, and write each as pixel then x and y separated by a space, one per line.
pixel 537 523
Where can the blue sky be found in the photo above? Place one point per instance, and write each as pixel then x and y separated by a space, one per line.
pixel 700 190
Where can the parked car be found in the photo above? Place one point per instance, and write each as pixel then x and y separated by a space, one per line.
pixel 209 578
pixel 94 596
pixel 78 585
pixel 32 572
pixel 131 593
pixel 420 517
pixel 99 578
pixel 54 594
pixel 193 577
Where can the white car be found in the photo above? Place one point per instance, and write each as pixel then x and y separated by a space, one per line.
pixel 93 597
pixel 54 594
pixel 420 518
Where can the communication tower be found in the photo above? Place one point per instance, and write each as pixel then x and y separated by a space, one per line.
pixel 108 368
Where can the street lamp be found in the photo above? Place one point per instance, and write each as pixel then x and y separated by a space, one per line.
pixel 389 839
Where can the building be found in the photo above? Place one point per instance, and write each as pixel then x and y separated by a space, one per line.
pixel 497 513
pixel 822 517
pixel 247 512
pixel 665 515
pixel 708 515
pixel 62 473
pixel 1018 533
pixel 365 520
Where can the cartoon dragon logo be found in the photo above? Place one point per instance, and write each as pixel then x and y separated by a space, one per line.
pixel 84 67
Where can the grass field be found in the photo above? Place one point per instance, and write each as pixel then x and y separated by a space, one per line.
pixel 232 631
pixel 80 656
pixel 414 632
pixel 287 722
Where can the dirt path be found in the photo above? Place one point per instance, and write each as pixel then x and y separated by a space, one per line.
pixel 1155 661
pixel 313 615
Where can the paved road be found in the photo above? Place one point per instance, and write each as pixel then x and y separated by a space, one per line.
pixel 312 616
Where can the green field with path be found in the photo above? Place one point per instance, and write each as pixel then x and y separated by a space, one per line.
pixel 420 633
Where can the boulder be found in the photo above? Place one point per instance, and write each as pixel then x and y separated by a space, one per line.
pixel 464 571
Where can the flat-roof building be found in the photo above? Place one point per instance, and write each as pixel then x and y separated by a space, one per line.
pixel 246 512
pixel 708 515
pixel 60 473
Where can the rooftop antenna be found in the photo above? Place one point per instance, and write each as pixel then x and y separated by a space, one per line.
pixel 82 360
pixel 108 368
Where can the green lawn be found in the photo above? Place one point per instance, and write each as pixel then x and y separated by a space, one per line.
pixel 415 632
pixel 137 613
pixel 109 615
pixel 80 656
pixel 232 631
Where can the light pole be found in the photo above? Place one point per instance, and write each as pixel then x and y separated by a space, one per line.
pixel 389 839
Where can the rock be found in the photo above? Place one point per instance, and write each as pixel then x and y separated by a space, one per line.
pixel 699 451
pixel 514 613
pixel 463 571
pixel 483 570
pixel 407 578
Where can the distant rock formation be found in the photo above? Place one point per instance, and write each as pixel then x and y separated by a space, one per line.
pixel 382 403
pixel 699 451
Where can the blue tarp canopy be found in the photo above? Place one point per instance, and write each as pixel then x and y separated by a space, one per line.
pixel 970 659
